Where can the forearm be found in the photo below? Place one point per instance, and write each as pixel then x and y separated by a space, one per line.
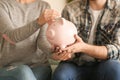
pixel 15 33
pixel 99 52
pixel 23 32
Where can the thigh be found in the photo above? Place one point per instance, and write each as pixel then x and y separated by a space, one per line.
pixel 22 72
pixel 7 78
pixel 71 71
pixel 4 75
pixel 65 71
pixel 42 72
pixel 107 70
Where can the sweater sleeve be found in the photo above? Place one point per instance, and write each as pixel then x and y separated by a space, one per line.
pixel 8 30
pixel 15 34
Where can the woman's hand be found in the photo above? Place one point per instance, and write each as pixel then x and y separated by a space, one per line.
pixel 48 15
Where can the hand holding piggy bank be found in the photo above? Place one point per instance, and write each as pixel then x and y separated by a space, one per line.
pixel 60 33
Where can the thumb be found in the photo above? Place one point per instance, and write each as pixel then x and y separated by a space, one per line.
pixel 77 38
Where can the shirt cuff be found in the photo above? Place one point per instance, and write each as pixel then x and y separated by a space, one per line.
pixel 112 52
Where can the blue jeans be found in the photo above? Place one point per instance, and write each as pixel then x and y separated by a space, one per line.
pixel 24 72
pixel 105 70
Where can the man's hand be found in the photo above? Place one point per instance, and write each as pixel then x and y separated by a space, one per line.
pixel 48 15
pixel 78 46
pixel 67 53
pixel 91 50
pixel 58 54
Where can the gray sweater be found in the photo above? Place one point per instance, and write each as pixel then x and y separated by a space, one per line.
pixel 18 23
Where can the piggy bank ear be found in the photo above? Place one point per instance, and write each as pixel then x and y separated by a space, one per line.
pixel 60 20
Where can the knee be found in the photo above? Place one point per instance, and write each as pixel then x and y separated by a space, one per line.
pixel 23 69
pixel 65 72
pixel 24 72
pixel 21 72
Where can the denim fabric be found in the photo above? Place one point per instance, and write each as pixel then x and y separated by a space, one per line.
pixel 23 72
pixel 106 70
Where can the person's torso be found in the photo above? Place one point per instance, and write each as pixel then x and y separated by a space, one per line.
pixel 106 24
pixel 25 51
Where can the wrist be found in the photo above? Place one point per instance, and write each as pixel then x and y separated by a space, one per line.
pixel 40 22
pixel 84 47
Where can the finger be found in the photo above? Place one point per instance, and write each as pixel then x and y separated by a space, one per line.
pixel 48 11
pixel 57 49
pixel 69 55
pixel 47 14
pixel 56 13
pixel 53 17
pixel 77 37
pixel 55 56
pixel 68 49
pixel 51 14
pixel 64 56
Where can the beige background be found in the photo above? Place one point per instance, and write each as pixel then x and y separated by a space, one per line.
pixel 57 4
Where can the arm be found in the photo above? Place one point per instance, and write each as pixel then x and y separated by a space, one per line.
pixel 79 46
pixel 18 34
pixel 91 50
pixel 99 52
pixel 107 51
pixel 113 49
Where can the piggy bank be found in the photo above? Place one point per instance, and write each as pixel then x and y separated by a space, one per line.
pixel 60 33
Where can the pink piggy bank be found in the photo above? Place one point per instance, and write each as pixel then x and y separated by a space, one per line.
pixel 60 33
